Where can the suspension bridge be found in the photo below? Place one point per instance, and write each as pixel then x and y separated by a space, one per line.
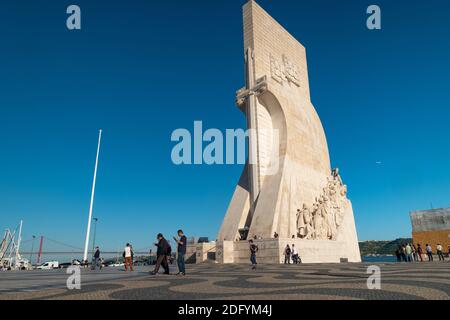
pixel 9 244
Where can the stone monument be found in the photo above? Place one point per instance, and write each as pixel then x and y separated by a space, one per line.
pixel 303 201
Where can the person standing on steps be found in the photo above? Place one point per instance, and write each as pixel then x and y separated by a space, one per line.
pixel 253 250
pixel 295 258
pixel 287 255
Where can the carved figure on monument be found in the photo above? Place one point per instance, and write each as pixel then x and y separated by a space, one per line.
pixel 301 232
pixel 308 222
pixel 320 227
pixel 304 223
pixel 331 219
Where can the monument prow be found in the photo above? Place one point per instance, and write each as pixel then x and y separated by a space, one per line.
pixel 289 189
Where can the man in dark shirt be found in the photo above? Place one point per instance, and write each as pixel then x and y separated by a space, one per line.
pixel 181 246
pixel 96 261
pixel 253 250
pixel 161 254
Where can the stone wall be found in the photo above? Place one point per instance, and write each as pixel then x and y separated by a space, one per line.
pixel 429 220
pixel 200 252
pixel 433 238
pixel 271 251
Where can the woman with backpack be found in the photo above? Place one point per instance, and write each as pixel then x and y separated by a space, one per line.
pixel 128 257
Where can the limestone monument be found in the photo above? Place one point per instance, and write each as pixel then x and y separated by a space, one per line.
pixel 303 201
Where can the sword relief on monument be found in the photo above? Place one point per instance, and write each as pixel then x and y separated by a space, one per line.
pixel 287 71
pixel 322 220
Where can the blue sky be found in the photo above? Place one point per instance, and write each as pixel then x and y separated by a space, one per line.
pixel 140 69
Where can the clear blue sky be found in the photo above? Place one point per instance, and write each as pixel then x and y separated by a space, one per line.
pixel 140 69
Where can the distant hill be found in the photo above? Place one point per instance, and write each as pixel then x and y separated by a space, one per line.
pixel 381 247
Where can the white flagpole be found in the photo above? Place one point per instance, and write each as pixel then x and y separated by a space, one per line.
pixel 92 198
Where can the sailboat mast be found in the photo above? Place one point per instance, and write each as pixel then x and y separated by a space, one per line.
pixel 19 240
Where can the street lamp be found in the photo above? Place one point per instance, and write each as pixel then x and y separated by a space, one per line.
pixel 95 232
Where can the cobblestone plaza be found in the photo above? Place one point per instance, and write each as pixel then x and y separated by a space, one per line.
pixel 237 282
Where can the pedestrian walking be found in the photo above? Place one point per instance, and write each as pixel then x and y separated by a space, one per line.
pixel 414 252
pixel 181 252
pixel 253 250
pixel 429 252
pixel 420 251
pixel 398 253
pixel 96 259
pixel 128 257
pixel 439 252
pixel 163 249
pixel 287 255
pixel 403 253
pixel 408 251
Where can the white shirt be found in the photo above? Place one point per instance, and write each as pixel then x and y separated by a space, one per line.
pixel 127 252
pixel 439 248
pixel 294 251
